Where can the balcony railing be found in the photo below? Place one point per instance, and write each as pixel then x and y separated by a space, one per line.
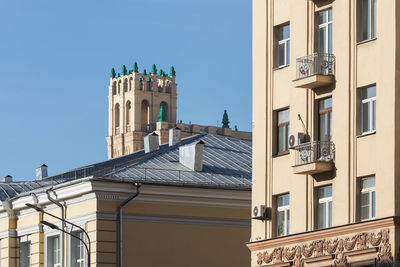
pixel 315 64
pixel 313 152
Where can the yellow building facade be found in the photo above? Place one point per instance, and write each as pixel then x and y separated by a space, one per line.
pixel 326 136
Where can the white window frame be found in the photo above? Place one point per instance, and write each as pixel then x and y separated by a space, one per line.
pixel 49 254
pixel 368 101
pixel 369 191
pixel 326 26
pixel 285 45
pixel 372 19
pixel 286 211
pixel 73 257
pixel 25 240
pixel 325 201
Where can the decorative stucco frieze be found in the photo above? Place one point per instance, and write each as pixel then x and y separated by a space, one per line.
pixel 336 248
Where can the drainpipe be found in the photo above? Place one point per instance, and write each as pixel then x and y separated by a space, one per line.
pixel 62 224
pixel 119 218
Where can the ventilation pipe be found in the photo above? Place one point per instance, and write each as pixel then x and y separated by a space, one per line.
pixel 62 224
pixel 6 179
pixel 151 142
pixel 174 136
pixel 192 156
pixel 41 172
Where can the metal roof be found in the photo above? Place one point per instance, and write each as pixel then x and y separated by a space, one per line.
pixel 226 165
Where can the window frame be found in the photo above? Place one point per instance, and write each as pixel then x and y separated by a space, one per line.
pixel 325 201
pixel 77 249
pixel 286 212
pixel 286 126
pixel 49 249
pixel 369 191
pixel 369 101
pixel 371 20
pixel 329 113
pixel 284 42
pixel 25 240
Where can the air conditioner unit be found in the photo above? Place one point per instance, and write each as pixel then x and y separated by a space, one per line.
pixel 297 139
pixel 261 212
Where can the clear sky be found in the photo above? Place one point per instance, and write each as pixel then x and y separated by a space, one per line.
pixel 56 57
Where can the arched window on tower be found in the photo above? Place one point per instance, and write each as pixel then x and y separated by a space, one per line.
pixel 149 84
pixel 125 85
pixel 114 88
pixel 168 87
pixel 119 87
pixel 145 116
pixel 128 116
pixel 130 84
pixel 141 84
pixel 116 118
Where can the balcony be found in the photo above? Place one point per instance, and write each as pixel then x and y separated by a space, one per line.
pixel 314 157
pixel 315 70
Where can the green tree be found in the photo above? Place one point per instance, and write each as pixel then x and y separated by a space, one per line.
pixel 225 120
pixel 162 116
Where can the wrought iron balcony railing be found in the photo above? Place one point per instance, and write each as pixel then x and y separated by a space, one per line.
pixel 315 64
pixel 316 151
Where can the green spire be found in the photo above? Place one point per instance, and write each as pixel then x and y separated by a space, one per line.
pixel 144 72
pixel 235 129
pixel 130 71
pixel 119 75
pixel 112 73
pixel 225 120
pixel 161 72
pixel 154 69
pixel 124 71
pixel 172 71
pixel 162 116
pixel 135 67
pixel 148 79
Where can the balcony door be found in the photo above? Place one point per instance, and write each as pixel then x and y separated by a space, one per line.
pixel 325 120
pixel 325 31
pixel 325 41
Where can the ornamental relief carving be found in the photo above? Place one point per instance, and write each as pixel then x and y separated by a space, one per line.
pixel 335 247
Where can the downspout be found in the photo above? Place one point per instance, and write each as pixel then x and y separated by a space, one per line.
pixel 62 224
pixel 119 218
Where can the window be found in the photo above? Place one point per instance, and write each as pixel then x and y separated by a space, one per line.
pixel 324 207
pixel 367 198
pixel 283 131
pixel 283 45
pixel 282 215
pixel 77 250
pixel 325 31
pixel 53 251
pixel 325 120
pixel 368 109
pixel 367 19
pixel 25 254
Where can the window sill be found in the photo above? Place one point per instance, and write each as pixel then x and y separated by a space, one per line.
pixel 281 67
pixel 280 154
pixel 366 41
pixel 366 134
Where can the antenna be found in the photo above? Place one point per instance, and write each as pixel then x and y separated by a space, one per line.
pixel 302 123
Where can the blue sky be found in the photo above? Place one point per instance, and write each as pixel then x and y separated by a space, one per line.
pixel 56 56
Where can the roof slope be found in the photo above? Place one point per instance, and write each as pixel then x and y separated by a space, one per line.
pixel 226 164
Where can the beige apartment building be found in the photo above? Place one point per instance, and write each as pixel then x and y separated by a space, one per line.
pixel 326 149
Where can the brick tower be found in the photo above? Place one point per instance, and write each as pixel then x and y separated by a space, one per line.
pixel 136 102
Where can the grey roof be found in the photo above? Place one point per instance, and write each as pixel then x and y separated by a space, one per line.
pixel 226 164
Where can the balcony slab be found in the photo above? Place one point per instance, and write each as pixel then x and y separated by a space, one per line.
pixel 313 168
pixel 314 81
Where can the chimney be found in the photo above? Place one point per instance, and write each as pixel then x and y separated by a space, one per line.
pixel 192 156
pixel 6 179
pixel 174 136
pixel 151 142
pixel 41 172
